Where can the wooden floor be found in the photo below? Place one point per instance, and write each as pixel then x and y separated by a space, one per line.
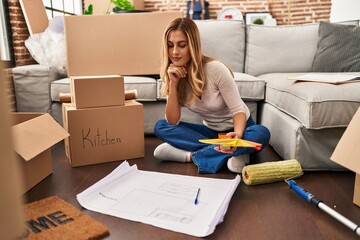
pixel 269 211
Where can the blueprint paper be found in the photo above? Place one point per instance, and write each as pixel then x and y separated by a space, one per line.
pixel 162 200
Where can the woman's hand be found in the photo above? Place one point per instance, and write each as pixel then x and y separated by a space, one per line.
pixel 229 149
pixel 234 135
pixel 176 73
pixel 172 109
pixel 225 150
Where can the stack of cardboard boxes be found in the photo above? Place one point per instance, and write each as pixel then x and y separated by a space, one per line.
pixel 103 127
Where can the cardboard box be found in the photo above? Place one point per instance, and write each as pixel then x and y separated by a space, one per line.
pixel 120 44
pixel 35 15
pixel 105 134
pixel 97 91
pixel 347 152
pixel 11 187
pixel 34 135
pixel 357 190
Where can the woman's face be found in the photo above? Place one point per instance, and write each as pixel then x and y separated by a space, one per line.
pixel 178 48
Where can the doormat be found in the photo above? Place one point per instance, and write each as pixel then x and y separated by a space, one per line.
pixel 53 218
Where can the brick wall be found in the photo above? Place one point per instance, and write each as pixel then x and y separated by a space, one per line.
pixel 19 34
pixel 285 12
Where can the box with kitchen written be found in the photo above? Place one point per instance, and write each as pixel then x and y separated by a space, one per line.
pixel 347 152
pixel 104 134
pixel 97 91
pixel 34 134
pixel 121 44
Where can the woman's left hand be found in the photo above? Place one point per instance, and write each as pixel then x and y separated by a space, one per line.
pixel 231 149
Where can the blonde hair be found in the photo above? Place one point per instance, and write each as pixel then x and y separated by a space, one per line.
pixel 195 70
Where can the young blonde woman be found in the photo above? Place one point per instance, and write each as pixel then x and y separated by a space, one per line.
pixel 207 87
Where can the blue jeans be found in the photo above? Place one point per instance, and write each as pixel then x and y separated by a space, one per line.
pixel 186 136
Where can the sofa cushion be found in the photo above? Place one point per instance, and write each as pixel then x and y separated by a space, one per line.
pixel 271 49
pixel 146 87
pixel 224 40
pixel 315 105
pixel 32 91
pixel 338 48
pixel 291 140
pixel 59 86
pixel 250 88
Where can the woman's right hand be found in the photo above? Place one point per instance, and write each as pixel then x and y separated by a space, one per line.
pixel 176 73
pixel 172 110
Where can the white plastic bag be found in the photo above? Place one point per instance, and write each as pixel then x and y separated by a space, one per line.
pixel 48 47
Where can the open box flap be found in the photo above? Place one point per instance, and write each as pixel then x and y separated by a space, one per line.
pixel 347 151
pixel 35 15
pixel 36 135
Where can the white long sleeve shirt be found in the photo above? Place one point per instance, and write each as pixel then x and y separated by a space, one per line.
pixel 220 100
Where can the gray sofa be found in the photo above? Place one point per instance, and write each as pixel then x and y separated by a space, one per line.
pixel 305 119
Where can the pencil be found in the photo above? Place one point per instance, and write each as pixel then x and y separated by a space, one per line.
pixel 197 196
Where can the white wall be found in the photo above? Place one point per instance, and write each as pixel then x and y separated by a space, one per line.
pixel 4 44
pixel 343 10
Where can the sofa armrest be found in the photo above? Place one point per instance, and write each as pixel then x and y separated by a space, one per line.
pixel 32 87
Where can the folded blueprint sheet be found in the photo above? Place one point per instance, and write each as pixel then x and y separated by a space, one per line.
pixel 162 200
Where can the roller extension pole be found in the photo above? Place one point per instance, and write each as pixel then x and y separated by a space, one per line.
pixel 319 204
